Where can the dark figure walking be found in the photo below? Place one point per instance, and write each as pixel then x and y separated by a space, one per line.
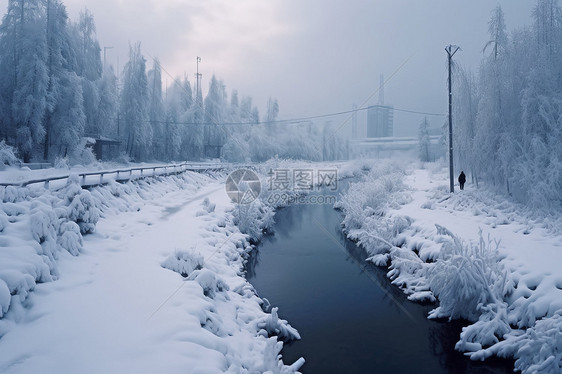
pixel 462 179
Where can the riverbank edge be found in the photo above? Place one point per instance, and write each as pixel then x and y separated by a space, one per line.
pixel 414 258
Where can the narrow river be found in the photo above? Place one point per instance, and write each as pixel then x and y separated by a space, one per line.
pixel 351 319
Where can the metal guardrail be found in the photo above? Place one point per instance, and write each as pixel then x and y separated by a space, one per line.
pixel 123 175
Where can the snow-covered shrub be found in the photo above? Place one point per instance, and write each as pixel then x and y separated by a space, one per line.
pixel 252 219
pixel 7 155
pixel 381 189
pixel 184 262
pixel 84 212
pixel 61 163
pixel 70 238
pixel 467 278
pixel 271 361
pixel 3 219
pixel 14 194
pixel 209 207
pixel 209 281
pixel 537 350
pixel 83 154
pixel 41 225
pixel 540 348
pixel 278 327
pixel 5 297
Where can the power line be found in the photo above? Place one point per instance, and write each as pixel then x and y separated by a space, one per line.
pixel 295 121
pixel 292 120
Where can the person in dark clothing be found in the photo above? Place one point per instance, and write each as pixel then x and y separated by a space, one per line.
pixel 462 179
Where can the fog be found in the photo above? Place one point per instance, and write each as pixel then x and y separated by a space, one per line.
pixel 314 56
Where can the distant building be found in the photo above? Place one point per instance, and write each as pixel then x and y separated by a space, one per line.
pixel 380 121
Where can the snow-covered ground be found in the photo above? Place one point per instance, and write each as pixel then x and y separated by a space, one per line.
pixel 486 259
pixel 148 276
pixel 156 285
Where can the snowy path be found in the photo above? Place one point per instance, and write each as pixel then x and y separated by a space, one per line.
pixel 115 309
pixel 96 317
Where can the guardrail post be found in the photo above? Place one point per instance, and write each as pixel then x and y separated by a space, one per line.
pixel 101 178
pixel 153 172
pixel 83 179
pixel 46 184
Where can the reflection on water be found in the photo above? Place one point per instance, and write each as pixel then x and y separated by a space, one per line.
pixel 351 319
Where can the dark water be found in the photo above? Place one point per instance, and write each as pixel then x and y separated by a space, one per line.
pixel 351 319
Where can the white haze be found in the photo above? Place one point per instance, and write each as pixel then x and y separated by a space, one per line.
pixel 315 56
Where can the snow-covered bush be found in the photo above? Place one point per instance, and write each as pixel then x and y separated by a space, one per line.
pixel 7 155
pixel 209 281
pixel 467 278
pixel 81 207
pixel 209 207
pixel 3 219
pixel 536 350
pixel 70 237
pixel 184 262
pixel 278 327
pixel 83 154
pixel 62 163
pixel 381 189
pixel 254 218
pixel 365 206
pixel 84 212
pixel 14 194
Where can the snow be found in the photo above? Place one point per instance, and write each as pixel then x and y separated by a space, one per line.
pixel 157 285
pixel 148 275
pixel 487 259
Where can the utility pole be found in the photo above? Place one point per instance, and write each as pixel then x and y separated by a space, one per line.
pixel 451 50
pixel 198 76
pixel 206 128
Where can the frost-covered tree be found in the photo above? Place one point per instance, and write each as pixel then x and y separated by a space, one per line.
pixel 510 117
pixel 495 135
pixel 26 98
pixel 234 108
pixel 88 53
pixel 65 118
pixel 272 110
pixel 183 127
pixel 156 109
pixel 464 112
pixel 108 105
pixel 192 131
pixel 11 34
pixel 89 68
pixel 174 111
pixel 137 132
pixel 215 117
pixel 423 141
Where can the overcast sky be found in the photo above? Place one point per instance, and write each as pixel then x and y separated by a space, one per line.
pixel 314 56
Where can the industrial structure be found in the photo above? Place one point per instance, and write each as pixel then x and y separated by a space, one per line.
pixel 380 117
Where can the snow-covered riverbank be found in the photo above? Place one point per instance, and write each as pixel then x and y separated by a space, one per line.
pixel 157 285
pixel 486 259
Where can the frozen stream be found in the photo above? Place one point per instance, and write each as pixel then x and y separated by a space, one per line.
pixel 351 319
